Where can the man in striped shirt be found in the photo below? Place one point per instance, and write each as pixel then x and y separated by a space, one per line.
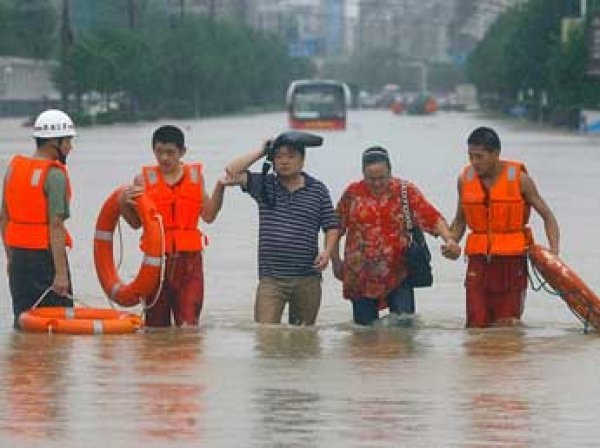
pixel 293 207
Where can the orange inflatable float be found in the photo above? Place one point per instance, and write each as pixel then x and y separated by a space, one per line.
pixel 78 321
pixel 148 276
pixel 582 301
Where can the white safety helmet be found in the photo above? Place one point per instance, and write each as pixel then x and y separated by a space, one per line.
pixel 53 123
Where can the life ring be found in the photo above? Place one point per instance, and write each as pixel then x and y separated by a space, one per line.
pixel 582 301
pixel 148 276
pixel 78 321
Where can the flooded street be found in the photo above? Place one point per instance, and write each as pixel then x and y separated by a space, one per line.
pixel 232 383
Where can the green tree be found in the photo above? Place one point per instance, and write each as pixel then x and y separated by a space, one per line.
pixel 570 88
pixel 195 66
pixel 34 27
pixel 515 54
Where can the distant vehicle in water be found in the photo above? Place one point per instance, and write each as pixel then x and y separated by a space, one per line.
pixel 423 104
pixel 317 104
pixel 467 97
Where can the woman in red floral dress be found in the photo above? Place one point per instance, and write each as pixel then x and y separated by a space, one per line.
pixel 373 268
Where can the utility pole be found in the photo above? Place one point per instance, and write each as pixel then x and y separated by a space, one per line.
pixel 242 11
pixel 131 13
pixel 66 41
pixel 212 9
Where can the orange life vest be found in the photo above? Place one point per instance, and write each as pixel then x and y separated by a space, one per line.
pixel 497 217
pixel 179 205
pixel 27 204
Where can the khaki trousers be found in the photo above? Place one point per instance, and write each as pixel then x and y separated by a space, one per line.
pixel 303 294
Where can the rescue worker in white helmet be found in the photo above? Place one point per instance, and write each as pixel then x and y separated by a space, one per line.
pixel 35 205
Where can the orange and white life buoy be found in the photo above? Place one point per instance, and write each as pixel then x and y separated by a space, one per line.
pixel 582 301
pixel 78 321
pixel 148 276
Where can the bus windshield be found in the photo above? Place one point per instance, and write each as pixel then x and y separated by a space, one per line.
pixel 318 101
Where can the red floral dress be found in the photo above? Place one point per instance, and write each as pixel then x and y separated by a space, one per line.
pixel 376 237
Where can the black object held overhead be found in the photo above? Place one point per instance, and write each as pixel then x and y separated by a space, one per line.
pixel 298 140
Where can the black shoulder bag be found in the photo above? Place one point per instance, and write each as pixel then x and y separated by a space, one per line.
pixel 418 257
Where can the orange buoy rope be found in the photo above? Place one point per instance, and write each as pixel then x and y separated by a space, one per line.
pixel 78 321
pixel 149 275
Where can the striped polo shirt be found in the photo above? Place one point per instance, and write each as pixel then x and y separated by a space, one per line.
pixel 288 232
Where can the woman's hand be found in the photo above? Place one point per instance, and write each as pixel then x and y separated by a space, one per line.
pixel 450 249
pixel 338 269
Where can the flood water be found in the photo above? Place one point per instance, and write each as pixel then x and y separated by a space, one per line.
pixel 232 383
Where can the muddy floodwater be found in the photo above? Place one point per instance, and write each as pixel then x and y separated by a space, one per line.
pixel 232 383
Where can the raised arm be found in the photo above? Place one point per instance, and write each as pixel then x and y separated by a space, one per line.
pixel 212 204
pixel 127 200
pixel 236 169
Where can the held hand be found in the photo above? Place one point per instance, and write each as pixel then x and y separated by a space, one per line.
pixel 338 269
pixel 321 261
pixel 61 285
pixel 130 194
pixel 450 249
pixel 230 179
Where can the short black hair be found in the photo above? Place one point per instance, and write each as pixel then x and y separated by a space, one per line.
pixel 169 134
pixel 375 154
pixel 486 137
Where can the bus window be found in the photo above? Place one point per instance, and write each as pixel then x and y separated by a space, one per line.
pixel 317 104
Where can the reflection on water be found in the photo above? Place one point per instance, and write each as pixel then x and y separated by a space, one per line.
pixel 232 383
pixel 498 420
pixel 171 411
pixel 498 416
pixel 289 417
pixel 386 421
pixel 287 341
pixel 365 343
pixel 170 388
pixel 488 344
pixel 36 376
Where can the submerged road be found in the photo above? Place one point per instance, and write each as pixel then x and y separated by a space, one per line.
pixel 231 383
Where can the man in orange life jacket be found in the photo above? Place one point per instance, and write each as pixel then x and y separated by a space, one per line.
pixel 34 207
pixel 495 197
pixel 180 197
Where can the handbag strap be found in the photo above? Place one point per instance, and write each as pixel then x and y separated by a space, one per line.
pixel 405 207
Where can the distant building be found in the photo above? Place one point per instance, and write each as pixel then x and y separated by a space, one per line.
pixel 415 28
pixel 430 30
pixel 301 23
pixel 310 27
pixel 25 86
pixel 221 9
pixel 334 26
